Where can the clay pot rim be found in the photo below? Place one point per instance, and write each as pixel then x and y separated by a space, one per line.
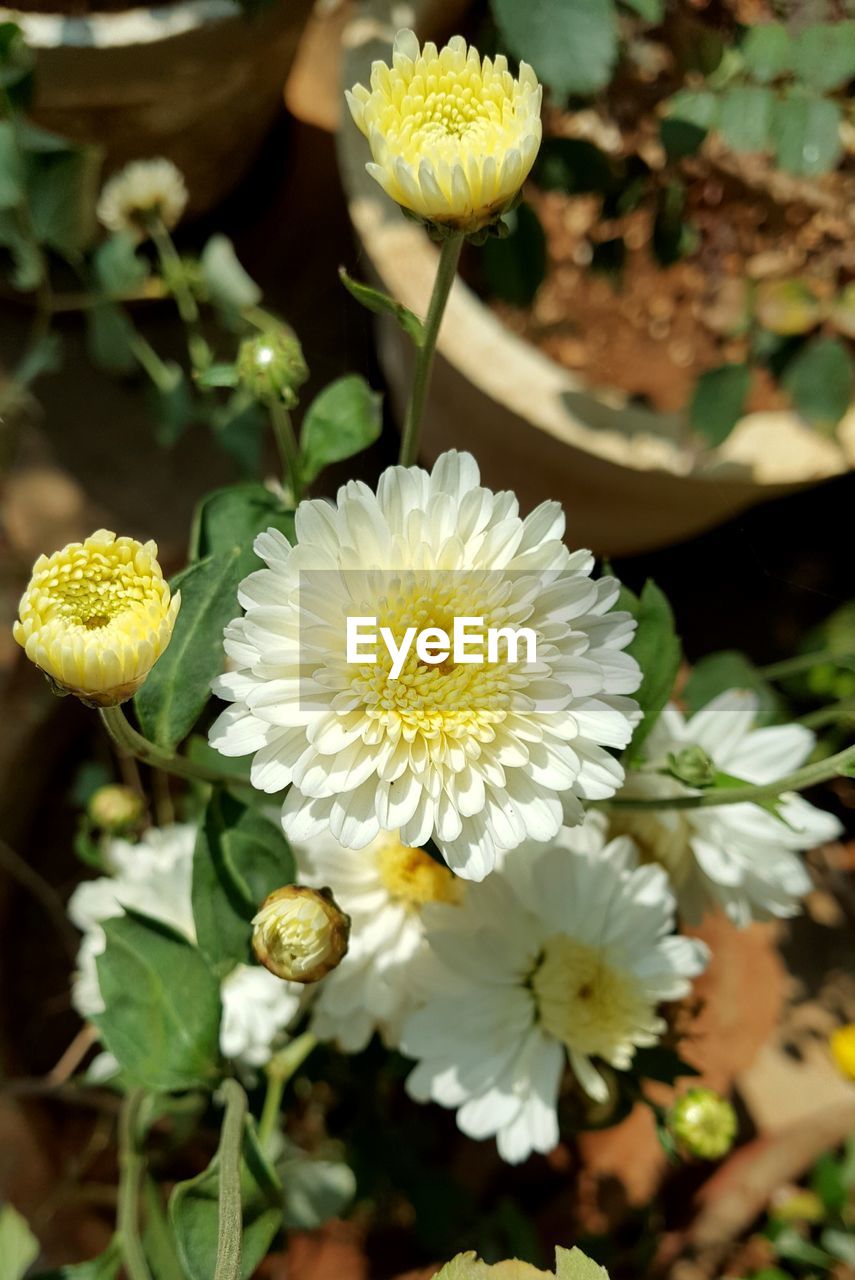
pixel 141 25
pixel 771 451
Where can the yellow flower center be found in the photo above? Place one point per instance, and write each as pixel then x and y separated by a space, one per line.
pixel 582 1001
pixel 412 876
pixel 664 843
pixel 91 587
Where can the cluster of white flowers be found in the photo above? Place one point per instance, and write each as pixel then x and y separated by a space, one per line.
pixel 154 876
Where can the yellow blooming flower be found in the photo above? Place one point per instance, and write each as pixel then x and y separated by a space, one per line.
pixel 300 934
pixel 452 136
pixel 96 617
pixel 842 1045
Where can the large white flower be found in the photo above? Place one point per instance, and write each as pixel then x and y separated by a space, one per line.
pixel 563 955
pixel 738 857
pixel 154 876
pixel 476 755
pixel 384 889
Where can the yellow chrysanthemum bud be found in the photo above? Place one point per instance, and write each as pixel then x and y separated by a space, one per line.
pixel 693 766
pixel 703 1124
pixel 570 1264
pixel 452 136
pixel 270 366
pixel 842 1045
pixel 300 934
pixel 115 808
pixel 96 617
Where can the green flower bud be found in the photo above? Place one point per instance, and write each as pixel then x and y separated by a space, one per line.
pixel 270 366
pixel 300 934
pixel 693 766
pixel 115 809
pixel 703 1124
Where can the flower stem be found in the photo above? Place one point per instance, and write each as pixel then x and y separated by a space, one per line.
pixel 280 1069
pixel 808 776
pixel 131 1169
pixel 804 662
pixel 843 710
pixel 175 280
pixel 289 450
pixel 126 738
pixel 230 1225
pixel 449 256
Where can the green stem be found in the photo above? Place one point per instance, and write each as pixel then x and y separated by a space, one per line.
pixel 280 1069
pixel 449 256
pixel 188 308
pixel 289 450
pixel 843 710
pixel 808 776
pixel 151 363
pixel 804 662
pixel 131 1171
pixel 126 738
pixel 230 1228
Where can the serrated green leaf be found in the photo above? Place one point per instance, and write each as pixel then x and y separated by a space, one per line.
pixel 767 50
pixel 823 55
pixel 805 133
pixel 229 285
pixel 19 1248
pixel 241 856
pixel 194 1213
pixel 117 266
pixel 730 669
pixel 718 401
pixel 657 649
pixel 515 265
pixel 342 420
pixel 572 44
pixel 745 117
pixel 161 1019
pixel 380 303
pixel 787 307
pixel 819 380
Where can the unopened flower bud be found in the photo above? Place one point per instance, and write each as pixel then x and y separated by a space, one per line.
pixel 115 808
pixel 842 1045
pixel 703 1124
pixel 300 934
pixel 270 366
pixel 693 766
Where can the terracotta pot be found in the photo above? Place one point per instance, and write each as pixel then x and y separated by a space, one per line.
pixel 628 481
pixel 196 81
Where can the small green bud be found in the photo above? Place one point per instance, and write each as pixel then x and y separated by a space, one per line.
pixel 693 766
pixel 703 1124
pixel 115 809
pixel 270 366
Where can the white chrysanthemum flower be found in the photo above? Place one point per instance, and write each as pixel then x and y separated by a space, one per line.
pixel 452 137
pixel 563 955
pixel 383 888
pixel 154 876
pixel 738 857
pixel 142 190
pixel 477 755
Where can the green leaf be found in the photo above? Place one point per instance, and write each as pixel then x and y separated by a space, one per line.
pixel 105 1267
pixel 110 339
pixel 842 314
pixel 28 265
pixel 805 133
pixel 698 107
pixel 11 168
pixel 823 55
pixel 233 517
pixel 826 1180
pixel 158 1242
pixel 174 405
pixel 239 428
pixel 718 401
pixel 44 357
pixel 118 268
pixel 730 669
pixel 657 650
pixel 343 420
pixel 515 264
pixel 572 44
pixel 819 380
pixel 650 10
pixel 745 117
pixel 161 1019
pixel 380 303
pixel 217 375
pixel 768 51
pixel 19 1248
pixel 787 307
pixel 314 1190
pixel 680 137
pixel 241 856
pixel 174 695
pixel 228 284
pixel 62 189
pixel 840 1244
pixel 194 1212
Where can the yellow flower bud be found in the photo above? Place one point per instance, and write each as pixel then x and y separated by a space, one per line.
pixel 452 137
pixel 703 1124
pixel 96 617
pixel 300 934
pixel 842 1045
pixel 115 808
pixel 570 1264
